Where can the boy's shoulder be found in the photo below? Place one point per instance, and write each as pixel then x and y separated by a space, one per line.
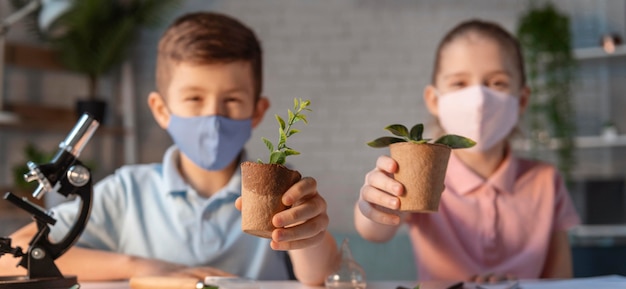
pixel 135 175
pixel 140 170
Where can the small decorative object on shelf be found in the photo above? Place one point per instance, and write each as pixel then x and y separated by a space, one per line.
pixel 609 132
pixel 610 41
pixel 263 184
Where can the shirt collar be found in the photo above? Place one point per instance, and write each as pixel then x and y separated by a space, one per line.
pixel 463 180
pixel 175 183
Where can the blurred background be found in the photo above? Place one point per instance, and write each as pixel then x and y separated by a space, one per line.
pixel 363 64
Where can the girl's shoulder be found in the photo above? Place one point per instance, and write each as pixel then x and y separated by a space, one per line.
pixel 537 169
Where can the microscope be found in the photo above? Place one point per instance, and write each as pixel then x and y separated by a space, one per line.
pixel 64 175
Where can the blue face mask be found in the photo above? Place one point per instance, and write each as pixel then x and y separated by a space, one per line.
pixel 211 142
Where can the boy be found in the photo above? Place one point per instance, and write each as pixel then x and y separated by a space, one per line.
pixel 179 217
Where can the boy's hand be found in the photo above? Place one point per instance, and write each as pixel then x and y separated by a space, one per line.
pixel 304 223
pixel 378 199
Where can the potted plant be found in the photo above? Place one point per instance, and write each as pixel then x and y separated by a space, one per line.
pixel 263 184
pixel 92 37
pixel 545 37
pixel 421 165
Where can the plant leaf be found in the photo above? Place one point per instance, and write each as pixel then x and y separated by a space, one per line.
pixel 280 120
pixel 417 131
pixel 268 144
pixel 399 130
pixel 304 104
pixel 259 161
pixel 295 103
pixel 385 141
pixel 291 116
pixel 283 138
pixel 301 117
pixel 277 157
pixel 292 132
pixel 455 141
pixel 290 152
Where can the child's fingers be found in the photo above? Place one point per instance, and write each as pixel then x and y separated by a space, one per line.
pixel 376 214
pixel 298 244
pixel 384 182
pixel 238 203
pixel 378 197
pixel 301 212
pixel 303 189
pixel 305 230
pixel 386 164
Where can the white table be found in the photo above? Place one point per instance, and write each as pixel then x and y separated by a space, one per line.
pixel 266 285
pixel 604 282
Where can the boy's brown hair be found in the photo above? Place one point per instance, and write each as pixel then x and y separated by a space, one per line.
pixel 208 38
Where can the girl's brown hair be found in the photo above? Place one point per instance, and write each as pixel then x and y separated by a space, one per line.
pixel 208 38
pixel 507 42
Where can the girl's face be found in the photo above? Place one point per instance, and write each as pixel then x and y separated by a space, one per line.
pixel 477 60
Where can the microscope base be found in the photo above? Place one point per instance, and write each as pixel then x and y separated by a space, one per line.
pixel 22 282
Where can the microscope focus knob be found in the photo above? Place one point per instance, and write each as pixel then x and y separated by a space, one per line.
pixel 78 175
pixel 31 176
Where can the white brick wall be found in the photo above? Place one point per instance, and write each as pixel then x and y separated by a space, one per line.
pixel 363 65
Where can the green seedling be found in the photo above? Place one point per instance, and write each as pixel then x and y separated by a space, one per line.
pixel 415 136
pixel 279 153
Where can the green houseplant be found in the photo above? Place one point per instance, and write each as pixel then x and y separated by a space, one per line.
pixel 545 38
pixel 263 184
pixel 422 165
pixel 93 37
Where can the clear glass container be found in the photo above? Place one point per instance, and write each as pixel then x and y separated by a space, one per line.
pixel 349 274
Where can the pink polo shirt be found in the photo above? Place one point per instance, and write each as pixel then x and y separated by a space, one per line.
pixel 501 224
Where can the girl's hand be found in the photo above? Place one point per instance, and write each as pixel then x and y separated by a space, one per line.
pixel 378 199
pixel 304 224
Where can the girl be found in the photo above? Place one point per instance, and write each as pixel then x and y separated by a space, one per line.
pixel 500 217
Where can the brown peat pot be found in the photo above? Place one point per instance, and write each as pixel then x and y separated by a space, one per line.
pixel 422 170
pixel 262 189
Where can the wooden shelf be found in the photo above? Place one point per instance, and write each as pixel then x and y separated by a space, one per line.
pixel 598 53
pixel 39 118
pixel 580 142
pixel 30 56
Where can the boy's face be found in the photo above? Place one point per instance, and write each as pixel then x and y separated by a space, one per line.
pixel 224 89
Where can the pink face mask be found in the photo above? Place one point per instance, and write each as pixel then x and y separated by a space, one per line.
pixel 479 113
